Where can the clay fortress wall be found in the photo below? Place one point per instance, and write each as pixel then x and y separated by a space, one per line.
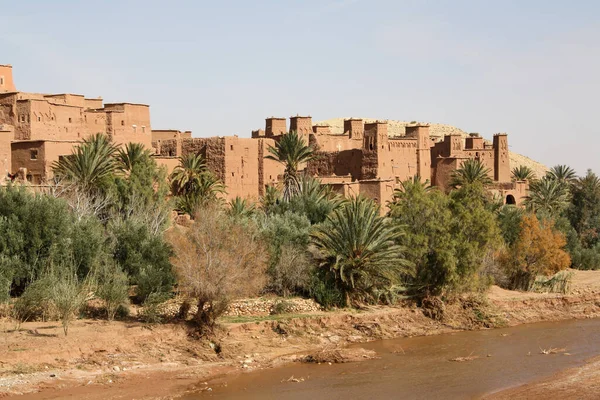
pixel 38 129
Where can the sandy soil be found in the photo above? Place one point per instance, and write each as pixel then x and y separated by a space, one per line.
pixel 573 384
pixel 126 360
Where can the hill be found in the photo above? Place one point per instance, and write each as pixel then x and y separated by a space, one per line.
pixel 438 131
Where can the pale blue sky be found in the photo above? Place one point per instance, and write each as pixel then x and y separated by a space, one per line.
pixel 528 68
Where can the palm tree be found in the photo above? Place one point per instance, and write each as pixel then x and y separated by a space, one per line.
pixel 562 173
pixel 523 173
pixel 315 200
pixel 188 174
pixel 270 198
pixel 241 208
pixel 548 196
pixel 357 250
pixel 90 164
pixel 206 191
pixel 291 151
pixel 133 154
pixel 194 185
pixel 471 171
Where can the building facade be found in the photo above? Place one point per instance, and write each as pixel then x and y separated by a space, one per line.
pixel 37 129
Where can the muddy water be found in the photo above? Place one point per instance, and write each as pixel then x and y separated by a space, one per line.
pixel 420 368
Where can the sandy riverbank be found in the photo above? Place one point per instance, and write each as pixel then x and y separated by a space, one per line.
pixel 100 360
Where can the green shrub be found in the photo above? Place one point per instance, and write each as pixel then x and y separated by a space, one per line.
pixel 113 288
pixel 144 257
pixel 151 308
pixel 35 302
pixel 324 290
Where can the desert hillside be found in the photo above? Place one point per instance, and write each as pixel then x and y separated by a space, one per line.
pixel 438 131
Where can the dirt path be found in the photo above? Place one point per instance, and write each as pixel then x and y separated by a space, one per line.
pixel 121 360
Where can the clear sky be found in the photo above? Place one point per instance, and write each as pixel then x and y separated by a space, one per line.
pixel 526 67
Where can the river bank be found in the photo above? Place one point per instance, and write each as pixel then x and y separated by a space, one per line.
pixel 125 360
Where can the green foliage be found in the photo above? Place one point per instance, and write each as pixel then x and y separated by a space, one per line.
pixel 68 294
pixel 314 200
pixel 35 229
pixel 471 171
pixel 357 249
pixel 523 173
pixel 113 288
pixel 509 221
pixel 425 215
pixel 35 302
pixel 548 197
pixel 325 291
pixel 584 212
pixel 240 208
pixel 448 238
pixel 475 230
pixel 194 185
pixel 287 237
pixel 562 173
pixel 140 191
pixel 91 164
pixel 291 151
pixel 132 155
pixel 270 199
pixel 144 257
pixel 151 308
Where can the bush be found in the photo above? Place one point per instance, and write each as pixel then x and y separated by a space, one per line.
pixel 144 257
pixel 113 288
pixel 538 251
pixel 356 250
pixel 324 290
pixel 35 229
pixel 35 302
pixel 68 296
pixel 151 308
pixel 292 273
pixel 217 260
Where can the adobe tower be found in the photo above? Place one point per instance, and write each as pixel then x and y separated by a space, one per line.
pixel 6 79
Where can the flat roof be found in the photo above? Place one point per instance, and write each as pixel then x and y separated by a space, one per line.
pixel 6 65
pixel 126 103
pixel 46 140
pixel 54 104
pixel 63 94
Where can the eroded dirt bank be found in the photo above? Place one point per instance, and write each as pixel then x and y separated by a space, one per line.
pixel 99 360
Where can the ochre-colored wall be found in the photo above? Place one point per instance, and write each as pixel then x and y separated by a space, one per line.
pixel 7 83
pixel 6 136
pixel 129 123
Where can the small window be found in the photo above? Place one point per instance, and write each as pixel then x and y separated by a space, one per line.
pixel 122 122
pixel 1 81
pixel 231 147
pixel 143 129
pixel 233 174
pixel 134 128
pixel 33 154
pixel 70 120
pixel 39 118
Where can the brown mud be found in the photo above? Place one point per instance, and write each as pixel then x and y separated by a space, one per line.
pixel 127 360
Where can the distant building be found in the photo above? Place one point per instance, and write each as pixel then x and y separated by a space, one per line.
pixel 38 129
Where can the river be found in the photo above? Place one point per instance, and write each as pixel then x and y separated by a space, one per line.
pixel 421 367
